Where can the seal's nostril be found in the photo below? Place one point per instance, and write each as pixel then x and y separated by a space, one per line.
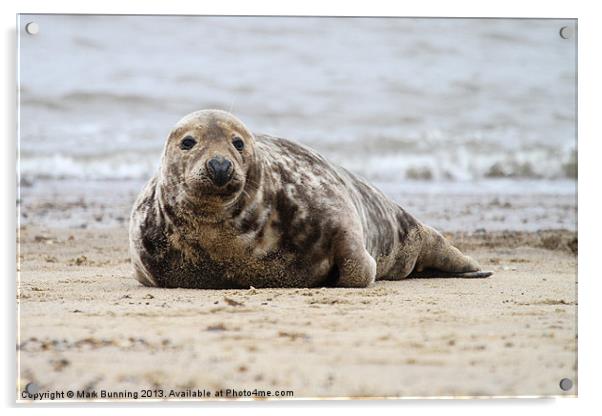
pixel 219 164
pixel 212 165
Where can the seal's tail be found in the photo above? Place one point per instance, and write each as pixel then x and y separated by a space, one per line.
pixel 439 258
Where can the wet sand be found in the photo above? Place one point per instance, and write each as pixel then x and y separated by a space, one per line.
pixel 85 324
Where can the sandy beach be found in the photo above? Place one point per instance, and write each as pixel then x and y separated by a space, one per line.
pixel 85 324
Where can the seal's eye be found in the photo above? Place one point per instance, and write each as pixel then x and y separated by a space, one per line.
pixel 238 143
pixel 187 143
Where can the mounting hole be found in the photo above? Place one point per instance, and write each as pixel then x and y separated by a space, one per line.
pixel 566 32
pixel 32 28
pixel 32 388
pixel 566 384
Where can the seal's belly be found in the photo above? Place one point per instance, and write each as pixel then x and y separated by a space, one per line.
pixel 283 255
pixel 275 269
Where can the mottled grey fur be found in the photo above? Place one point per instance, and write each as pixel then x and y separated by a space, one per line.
pixel 287 218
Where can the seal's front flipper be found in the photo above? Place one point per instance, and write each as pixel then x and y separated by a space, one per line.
pixel 357 268
pixel 461 275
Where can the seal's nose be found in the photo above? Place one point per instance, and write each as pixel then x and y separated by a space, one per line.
pixel 220 170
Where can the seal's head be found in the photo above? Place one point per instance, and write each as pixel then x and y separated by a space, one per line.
pixel 207 157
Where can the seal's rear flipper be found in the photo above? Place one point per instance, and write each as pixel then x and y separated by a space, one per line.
pixel 439 258
pixel 462 275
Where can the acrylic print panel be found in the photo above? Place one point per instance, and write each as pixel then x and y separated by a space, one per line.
pixel 469 125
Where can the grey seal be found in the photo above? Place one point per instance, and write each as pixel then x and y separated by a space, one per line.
pixel 232 209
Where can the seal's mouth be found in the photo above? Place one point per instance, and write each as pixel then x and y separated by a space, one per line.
pixel 205 189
